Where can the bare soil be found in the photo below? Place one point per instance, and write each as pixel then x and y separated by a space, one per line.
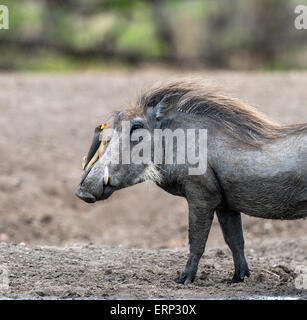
pixel 91 271
pixel 140 233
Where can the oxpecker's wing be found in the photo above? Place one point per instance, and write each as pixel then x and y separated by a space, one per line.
pixel 94 146
pixel 94 151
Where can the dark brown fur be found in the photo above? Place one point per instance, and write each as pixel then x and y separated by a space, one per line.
pixel 241 121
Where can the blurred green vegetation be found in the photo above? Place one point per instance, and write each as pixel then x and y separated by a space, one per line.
pixel 57 35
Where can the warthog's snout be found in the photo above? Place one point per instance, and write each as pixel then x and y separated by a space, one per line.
pixel 85 196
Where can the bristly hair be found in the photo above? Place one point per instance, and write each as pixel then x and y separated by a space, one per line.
pixel 240 120
pixel 151 173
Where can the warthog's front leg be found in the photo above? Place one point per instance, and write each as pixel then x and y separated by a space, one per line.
pixel 231 225
pixel 200 221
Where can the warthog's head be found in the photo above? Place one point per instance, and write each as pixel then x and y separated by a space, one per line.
pixel 114 160
pixel 139 145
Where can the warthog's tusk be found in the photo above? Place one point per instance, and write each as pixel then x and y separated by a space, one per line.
pixel 96 155
pixel 106 176
pixel 83 162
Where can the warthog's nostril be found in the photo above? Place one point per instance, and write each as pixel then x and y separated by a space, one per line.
pixel 85 196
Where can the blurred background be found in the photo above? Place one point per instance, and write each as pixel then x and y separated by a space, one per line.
pixel 66 65
pixel 56 35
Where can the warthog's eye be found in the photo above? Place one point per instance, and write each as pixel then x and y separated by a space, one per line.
pixel 136 126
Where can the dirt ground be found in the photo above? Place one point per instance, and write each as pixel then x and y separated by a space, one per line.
pixel 100 272
pixel 140 233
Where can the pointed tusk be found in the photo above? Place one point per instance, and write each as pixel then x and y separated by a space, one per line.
pixel 106 176
pixel 83 162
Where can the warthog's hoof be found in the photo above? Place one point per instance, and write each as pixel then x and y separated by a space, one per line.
pixel 240 274
pixel 186 277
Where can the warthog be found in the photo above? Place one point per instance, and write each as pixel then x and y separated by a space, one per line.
pixel 253 165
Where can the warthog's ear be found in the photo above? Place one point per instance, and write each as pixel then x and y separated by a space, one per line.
pixel 164 110
pixel 167 106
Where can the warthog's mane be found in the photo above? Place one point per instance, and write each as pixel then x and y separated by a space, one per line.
pixel 240 120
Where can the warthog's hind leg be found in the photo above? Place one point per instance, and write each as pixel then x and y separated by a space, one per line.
pixel 231 225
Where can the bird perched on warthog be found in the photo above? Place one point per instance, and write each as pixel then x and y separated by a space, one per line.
pixel 253 165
